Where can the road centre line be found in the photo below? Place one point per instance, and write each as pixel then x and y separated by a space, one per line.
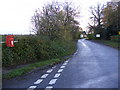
pixel 53 67
pixel 62 67
pixel 75 53
pixel 44 76
pixel 38 81
pixel 31 87
pixel 60 70
pixel 65 63
pixel 57 75
pixel 49 71
pixel 53 81
pixel 48 87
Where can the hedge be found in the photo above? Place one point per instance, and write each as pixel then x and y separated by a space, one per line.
pixel 35 48
pixel 92 37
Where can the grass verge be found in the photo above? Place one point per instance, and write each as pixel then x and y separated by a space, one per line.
pixel 29 68
pixel 114 44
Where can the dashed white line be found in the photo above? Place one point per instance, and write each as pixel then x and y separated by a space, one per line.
pixel 54 67
pixel 57 75
pixel 49 87
pixel 49 71
pixel 38 81
pixel 53 81
pixel 44 76
pixel 60 70
pixel 64 63
pixel 75 53
pixel 31 87
pixel 62 67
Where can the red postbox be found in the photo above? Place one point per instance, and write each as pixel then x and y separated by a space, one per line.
pixel 10 40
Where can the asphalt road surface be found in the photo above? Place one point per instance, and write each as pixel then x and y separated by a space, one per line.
pixel 93 65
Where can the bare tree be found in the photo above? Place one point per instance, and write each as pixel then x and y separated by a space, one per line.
pixel 97 13
pixel 96 24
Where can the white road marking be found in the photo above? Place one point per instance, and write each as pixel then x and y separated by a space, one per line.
pixel 84 44
pixel 54 67
pixel 62 67
pixel 31 87
pixel 57 75
pixel 53 81
pixel 64 63
pixel 49 71
pixel 49 87
pixel 38 81
pixel 75 53
pixel 60 70
pixel 44 76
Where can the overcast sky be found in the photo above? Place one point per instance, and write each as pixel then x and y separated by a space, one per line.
pixel 15 15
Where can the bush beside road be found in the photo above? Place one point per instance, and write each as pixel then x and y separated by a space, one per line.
pixel 35 48
pixel 32 50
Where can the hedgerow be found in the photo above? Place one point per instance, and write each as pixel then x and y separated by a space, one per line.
pixel 34 48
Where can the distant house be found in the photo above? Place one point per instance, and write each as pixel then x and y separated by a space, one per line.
pixel 83 34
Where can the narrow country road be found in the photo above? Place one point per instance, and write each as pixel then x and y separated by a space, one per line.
pixel 93 65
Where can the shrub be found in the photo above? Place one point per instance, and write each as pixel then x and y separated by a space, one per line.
pixel 91 36
pixel 35 48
